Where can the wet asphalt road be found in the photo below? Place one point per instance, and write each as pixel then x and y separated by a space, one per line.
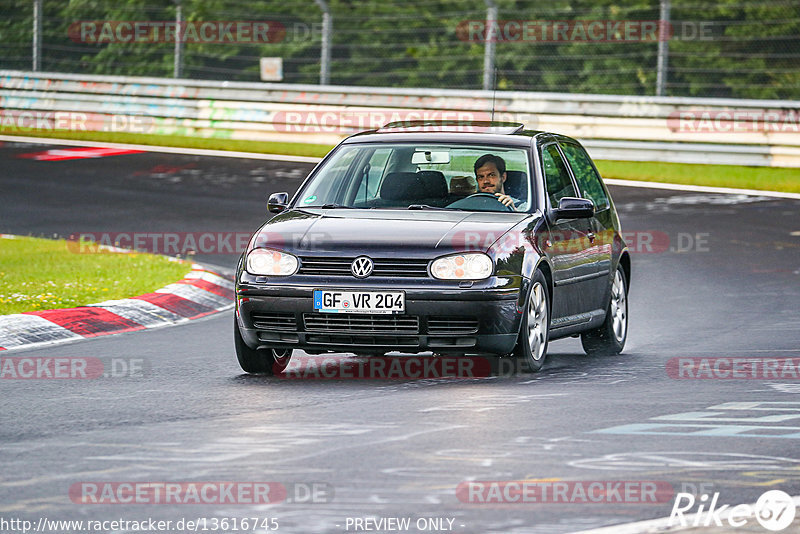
pixel 722 280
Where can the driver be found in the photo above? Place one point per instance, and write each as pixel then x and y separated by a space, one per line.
pixel 490 173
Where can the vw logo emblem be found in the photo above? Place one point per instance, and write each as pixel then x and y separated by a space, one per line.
pixel 361 267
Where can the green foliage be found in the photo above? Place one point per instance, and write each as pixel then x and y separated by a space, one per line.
pixel 723 48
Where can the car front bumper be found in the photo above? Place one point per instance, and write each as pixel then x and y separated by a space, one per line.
pixel 439 316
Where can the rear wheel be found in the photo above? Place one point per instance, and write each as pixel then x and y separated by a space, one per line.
pixel 610 337
pixel 259 361
pixel 531 346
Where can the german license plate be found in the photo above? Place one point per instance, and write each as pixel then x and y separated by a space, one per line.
pixel 382 302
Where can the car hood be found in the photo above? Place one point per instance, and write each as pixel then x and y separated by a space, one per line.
pixel 414 233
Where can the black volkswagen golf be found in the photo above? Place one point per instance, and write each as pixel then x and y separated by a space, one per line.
pixel 447 237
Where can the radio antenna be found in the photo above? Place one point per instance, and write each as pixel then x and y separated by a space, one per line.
pixel 494 90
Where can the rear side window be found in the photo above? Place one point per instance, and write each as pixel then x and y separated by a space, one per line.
pixel 559 184
pixel 586 175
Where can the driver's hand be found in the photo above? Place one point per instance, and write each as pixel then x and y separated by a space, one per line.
pixel 505 200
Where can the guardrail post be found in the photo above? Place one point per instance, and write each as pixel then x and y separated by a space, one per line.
pixel 325 52
pixel 37 35
pixel 177 69
pixel 663 48
pixel 488 50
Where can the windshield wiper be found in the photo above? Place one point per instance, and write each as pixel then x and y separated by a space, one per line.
pixel 425 207
pixel 428 207
pixel 331 206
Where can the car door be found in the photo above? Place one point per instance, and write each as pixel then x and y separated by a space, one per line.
pixel 601 225
pixel 567 246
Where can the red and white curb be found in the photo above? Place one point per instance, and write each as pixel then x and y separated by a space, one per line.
pixel 200 293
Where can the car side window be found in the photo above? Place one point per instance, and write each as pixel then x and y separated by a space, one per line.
pixel 586 175
pixel 557 179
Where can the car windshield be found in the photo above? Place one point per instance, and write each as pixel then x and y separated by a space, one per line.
pixel 419 176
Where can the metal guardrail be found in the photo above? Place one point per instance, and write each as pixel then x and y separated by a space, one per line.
pixel 675 129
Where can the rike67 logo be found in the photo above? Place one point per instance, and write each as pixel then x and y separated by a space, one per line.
pixel 775 510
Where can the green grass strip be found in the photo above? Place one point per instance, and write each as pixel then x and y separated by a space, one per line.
pixel 43 274
pixel 761 178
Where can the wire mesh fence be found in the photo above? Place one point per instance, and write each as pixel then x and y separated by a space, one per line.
pixel 720 48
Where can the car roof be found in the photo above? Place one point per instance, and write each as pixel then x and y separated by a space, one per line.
pixel 374 136
pixel 467 132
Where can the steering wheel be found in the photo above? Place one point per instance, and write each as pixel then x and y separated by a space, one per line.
pixel 479 196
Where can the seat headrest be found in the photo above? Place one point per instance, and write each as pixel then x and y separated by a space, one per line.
pixel 516 184
pixel 413 185
pixel 463 185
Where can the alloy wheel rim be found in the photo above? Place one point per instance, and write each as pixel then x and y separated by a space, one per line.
pixel 619 308
pixel 537 321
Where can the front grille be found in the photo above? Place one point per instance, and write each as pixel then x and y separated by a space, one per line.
pixel 451 326
pixel 325 266
pixel 409 268
pixel 356 323
pixel 274 321
pixel 322 266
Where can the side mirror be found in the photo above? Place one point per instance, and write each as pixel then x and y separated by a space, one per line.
pixel 574 208
pixel 277 202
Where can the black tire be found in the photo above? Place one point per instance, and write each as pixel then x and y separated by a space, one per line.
pixel 610 338
pixel 531 348
pixel 259 361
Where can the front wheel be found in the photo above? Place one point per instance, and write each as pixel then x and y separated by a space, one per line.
pixel 531 346
pixel 610 338
pixel 259 361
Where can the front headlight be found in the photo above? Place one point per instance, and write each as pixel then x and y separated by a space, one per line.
pixel 270 262
pixel 472 266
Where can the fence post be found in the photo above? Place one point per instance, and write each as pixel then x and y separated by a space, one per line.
pixel 177 69
pixel 488 45
pixel 663 49
pixel 325 52
pixel 37 35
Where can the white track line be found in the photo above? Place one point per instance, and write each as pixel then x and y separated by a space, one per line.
pixel 155 148
pixel 700 188
pixel 306 159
